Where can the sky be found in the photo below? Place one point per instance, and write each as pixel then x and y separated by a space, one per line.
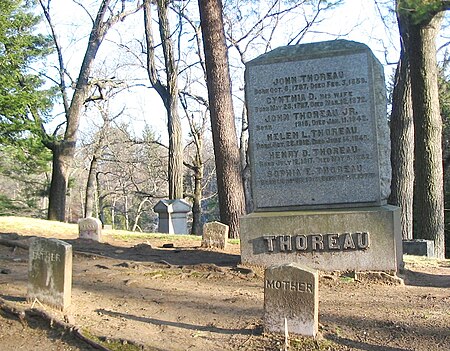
pixel 358 20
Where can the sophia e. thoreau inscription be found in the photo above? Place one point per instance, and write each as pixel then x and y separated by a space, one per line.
pixel 317 127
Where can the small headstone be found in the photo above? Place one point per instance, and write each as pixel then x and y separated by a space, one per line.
pixel 291 300
pixel 50 272
pixel 90 228
pixel 215 234
pixel 172 216
pixel 419 247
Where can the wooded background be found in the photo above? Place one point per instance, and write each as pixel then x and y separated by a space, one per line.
pixel 75 140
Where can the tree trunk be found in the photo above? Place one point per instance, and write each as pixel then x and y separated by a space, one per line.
pixel 62 157
pixel 89 202
pixel 66 147
pixel 402 141
pixel 168 92
pixel 429 194
pixel 197 201
pixel 226 151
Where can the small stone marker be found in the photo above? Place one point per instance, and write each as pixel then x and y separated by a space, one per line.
pixel 90 228
pixel 50 272
pixel 215 234
pixel 291 296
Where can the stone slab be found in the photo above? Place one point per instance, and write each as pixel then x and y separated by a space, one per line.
pixel 215 234
pixel 318 130
pixel 50 272
pixel 362 239
pixel 419 247
pixel 90 228
pixel 291 299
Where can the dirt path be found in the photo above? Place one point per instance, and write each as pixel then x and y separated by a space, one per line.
pixel 187 298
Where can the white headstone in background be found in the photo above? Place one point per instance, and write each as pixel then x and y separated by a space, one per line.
pixel 90 228
pixel 50 272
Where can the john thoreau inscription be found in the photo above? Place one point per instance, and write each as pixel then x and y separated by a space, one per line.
pixel 318 128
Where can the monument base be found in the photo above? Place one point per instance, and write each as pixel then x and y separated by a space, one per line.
pixel 362 239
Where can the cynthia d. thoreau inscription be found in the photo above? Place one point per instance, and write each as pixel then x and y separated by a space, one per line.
pixel 318 123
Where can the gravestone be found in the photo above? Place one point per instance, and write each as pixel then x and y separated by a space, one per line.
pixel 50 272
pixel 291 299
pixel 90 228
pixel 215 234
pixel 172 215
pixel 419 247
pixel 320 160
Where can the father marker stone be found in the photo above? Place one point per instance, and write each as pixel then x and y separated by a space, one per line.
pixel 50 272
pixel 291 292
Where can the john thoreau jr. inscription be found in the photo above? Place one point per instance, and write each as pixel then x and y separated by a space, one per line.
pixel 314 122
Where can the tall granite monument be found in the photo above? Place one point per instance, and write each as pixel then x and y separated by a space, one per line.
pixel 320 160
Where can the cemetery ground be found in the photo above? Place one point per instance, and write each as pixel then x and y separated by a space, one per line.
pixel 157 292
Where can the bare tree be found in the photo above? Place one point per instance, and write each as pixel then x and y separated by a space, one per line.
pixel 402 143
pixel 63 149
pixel 421 23
pixel 168 92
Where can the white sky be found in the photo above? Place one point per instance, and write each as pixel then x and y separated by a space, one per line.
pixel 357 20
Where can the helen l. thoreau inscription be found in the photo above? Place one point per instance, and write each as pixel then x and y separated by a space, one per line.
pixel 317 123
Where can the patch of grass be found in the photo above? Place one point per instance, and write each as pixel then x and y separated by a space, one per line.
pixel 161 273
pixel 346 279
pixel 311 344
pixel 111 344
pixel 423 261
pixel 124 235
pixel 39 227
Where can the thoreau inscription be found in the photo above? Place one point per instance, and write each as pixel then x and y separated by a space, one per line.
pixel 317 242
pixel 315 121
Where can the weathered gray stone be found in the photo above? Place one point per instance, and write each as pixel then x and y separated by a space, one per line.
pixel 50 272
pixel 291 298
pixel 172 216
pixel 90 228
pixel 419 247
pixel 361 239
pixel 319 136
pixel 215 234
